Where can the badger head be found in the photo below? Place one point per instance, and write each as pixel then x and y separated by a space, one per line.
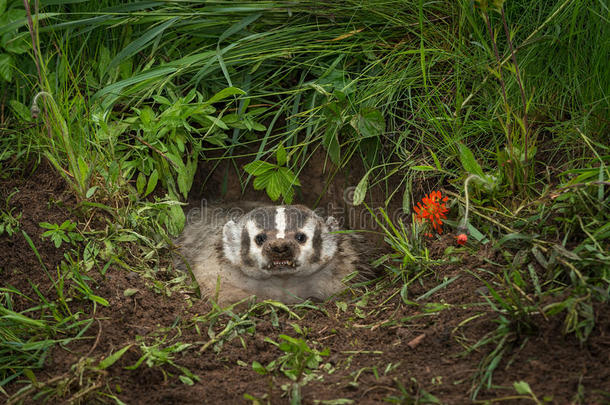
pixel 280 241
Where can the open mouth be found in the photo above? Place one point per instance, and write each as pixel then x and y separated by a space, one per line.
pixel 281 263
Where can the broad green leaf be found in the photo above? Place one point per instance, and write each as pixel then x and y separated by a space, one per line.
pixel 21 110
pixel 140 183
pixel 274 186
pixel 289 178
pixel 218 122
pixel 361 188
pixel 259 368
pixel 152 182
pixel 262 180
pixel 17 44
pixel 258 167
pixel 280 155
pixel 186 380
pixel 522 388
pixel 91 191
pixel 369 123
pixel 6 63
pixel 469 162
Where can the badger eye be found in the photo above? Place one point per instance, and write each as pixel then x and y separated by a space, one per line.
pixel 300 237
pixel 260 239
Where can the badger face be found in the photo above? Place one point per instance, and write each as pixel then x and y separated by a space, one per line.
pixel 280 241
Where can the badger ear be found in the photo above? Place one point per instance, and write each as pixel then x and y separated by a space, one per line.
pixel 231 241
pixel 332 223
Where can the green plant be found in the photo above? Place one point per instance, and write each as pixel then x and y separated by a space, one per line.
pixel 27 336
pixel 277 179
pixel 517 319
pixel 412 393
pixel 9 223
pixel 299 361
pixel 156 355
pixel 66 232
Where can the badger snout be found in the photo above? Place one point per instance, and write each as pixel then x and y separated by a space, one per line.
pixel 280 253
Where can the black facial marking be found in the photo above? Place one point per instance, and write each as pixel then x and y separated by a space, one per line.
pixel 316 243
pixel 260 239
pixel 245 248
pixel 264 218
pixel 296 218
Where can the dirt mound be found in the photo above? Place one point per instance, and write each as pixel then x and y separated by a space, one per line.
pixel 180 350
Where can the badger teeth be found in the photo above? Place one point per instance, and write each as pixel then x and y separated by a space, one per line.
pixel 281 263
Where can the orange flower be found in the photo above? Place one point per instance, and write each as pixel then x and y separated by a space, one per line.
pixel 433 210
pixel 462 239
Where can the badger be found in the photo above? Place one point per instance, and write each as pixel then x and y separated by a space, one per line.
pixel 285 253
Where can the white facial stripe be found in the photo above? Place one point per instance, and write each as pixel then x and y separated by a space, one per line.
pixel 255 250
pixel 280 222
pixel 307 247
pixel 231 242
pixel 329 245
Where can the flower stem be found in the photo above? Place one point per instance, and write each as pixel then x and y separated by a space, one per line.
pixel 463 226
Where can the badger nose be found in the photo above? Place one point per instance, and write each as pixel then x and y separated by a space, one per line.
pixel 280 247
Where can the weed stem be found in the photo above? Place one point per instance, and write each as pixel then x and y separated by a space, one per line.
pixel 463 226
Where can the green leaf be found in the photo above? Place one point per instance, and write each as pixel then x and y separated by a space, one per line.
pixel 98 299
pixel 218 122
pixel 152 182
pixel 437 163
pixel 186 380
pixel 280 155
pixel 140 43
pixel 224 93
pixel 259 368
pixel 91 191
pixel 469 162
pixel 258 167
pixel 331 143
pixel 369 123
pixel 522 388
pixel 21 110
pixel 6 63
pixel 83 172
pixel 18 44
pixel 361 188
pixel 140 183
pixel 475 233
pixel 423 168
pixel 113 358
pixel 177 220
pixel 274 186
pixel 262 180
pixel 289 178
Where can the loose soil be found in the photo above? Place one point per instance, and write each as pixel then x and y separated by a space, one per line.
pixel 380 348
